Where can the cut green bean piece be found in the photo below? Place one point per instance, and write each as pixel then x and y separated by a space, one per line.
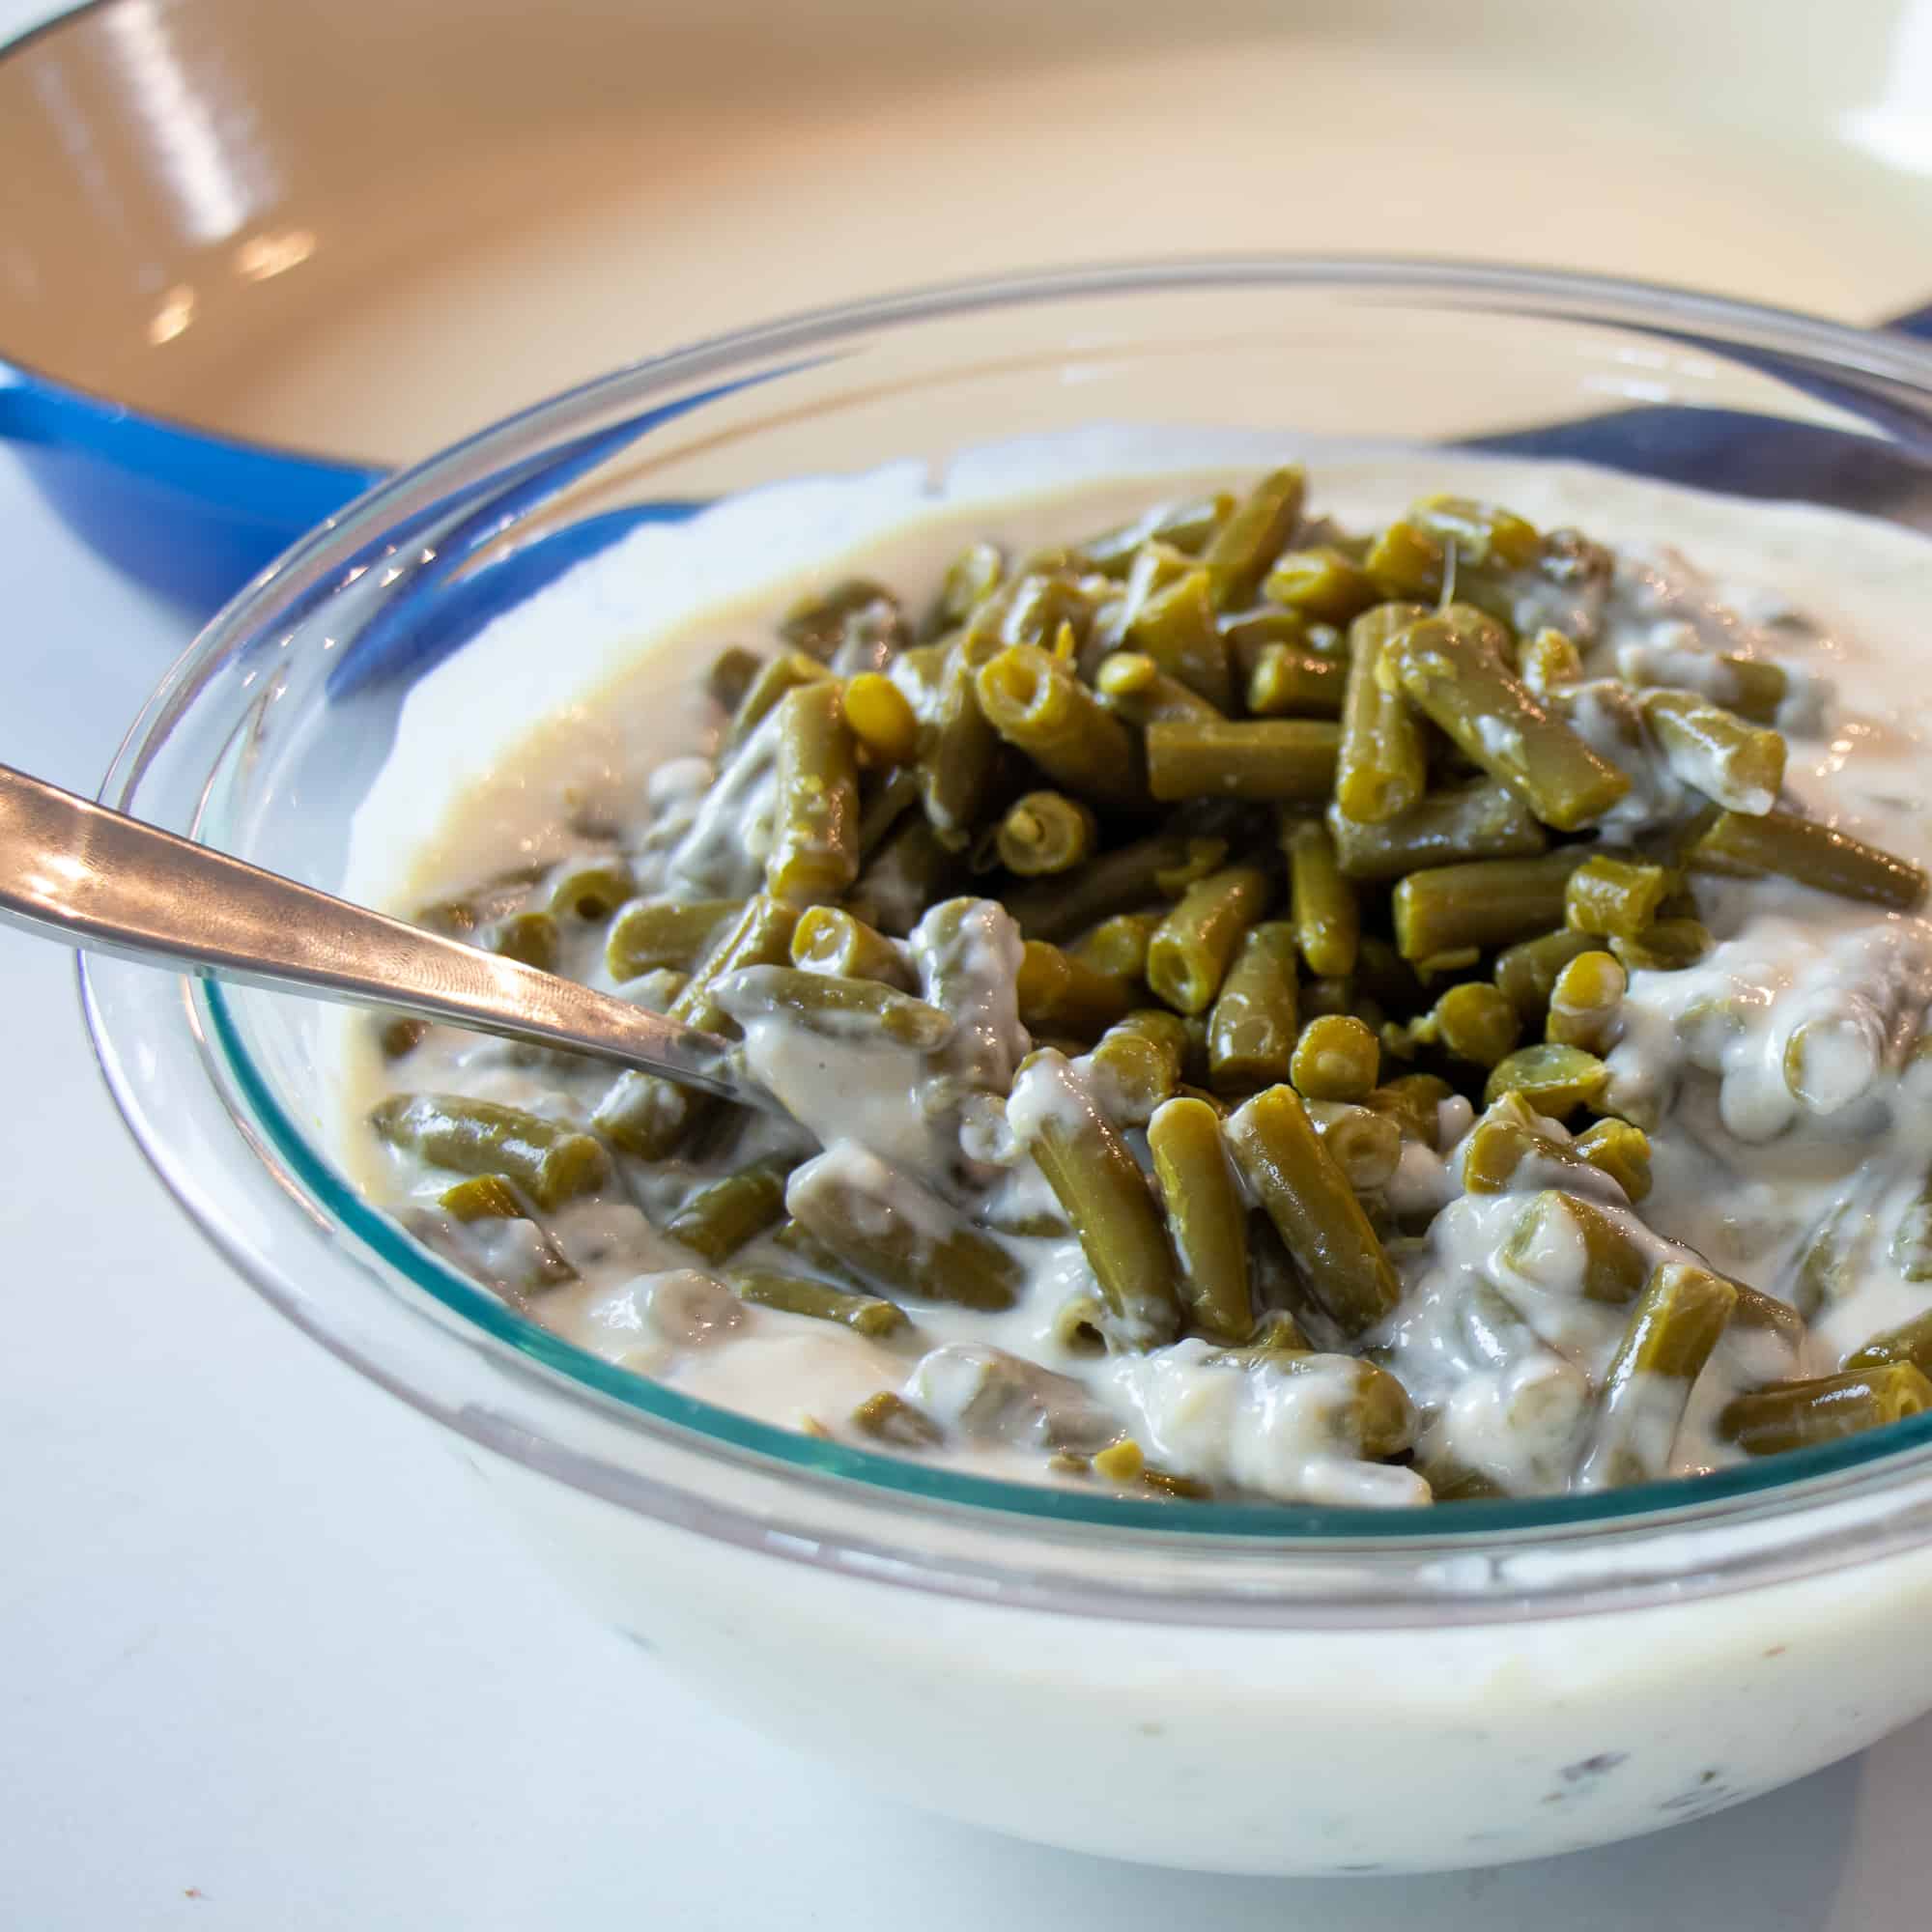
pixel 1327 917
pixel 397 1039
pixel 1039 704
pixel 1755 688
pixel 1337 1058
pixel 1813 854
pixel 1414 1103
pixel 1253 1023
pixel 1476 1022
pixel 1554 1080
pixel 967 956
pixel 849 1009
pixel 1483 820
pixel 800 1295
pixel 722 1217
pixel 814 852
pixel 1912 1240
pixel 1262 525
pixel 857 621
pixel 1266 759
pixel 1665 945
pixel 1125 880
pixel 1825 1408
pixel 650 933
pixel 589 889
pixel 1204 1216
pixel 1487 903
pixel 1175 626
pixel 1481 531
pixel 1137 1064
pixel 776 679
pixel 1191 949
pixel 492 1197
pixel 828 940
pixel 881 719
pixel 890 1231
pixel 972 577
pixel 1288 682
pixel 1674 1325
pixel 1570 1245
pixel 1381 767
pixel 1060 995
pixel 528 936
pixel 1528 970
pixel 1716 753
pixel 551 1161
pixel 1046 832
pixel 1548 661
pixel 958 753
pixel 1909 1342
pixel 1406 562
pixel 1308 1198
pixel 732 673
pixel 1134 687
pixel 1119 946
pixel 1617 898
pixel 1365 1144
pixel 1585 1003
pixel 1455 671
pixel 890 1418
pixel 909 871
pixel 1100 1186
pixel 1499 1151
pixel 1324 584
pixel 1622 1151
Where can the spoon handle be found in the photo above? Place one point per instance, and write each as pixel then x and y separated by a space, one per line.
pixel 74 870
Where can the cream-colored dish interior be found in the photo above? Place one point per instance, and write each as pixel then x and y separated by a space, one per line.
pixel 371 233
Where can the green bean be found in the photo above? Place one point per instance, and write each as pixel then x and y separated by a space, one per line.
pixel 1548 661
pixel 1275 1331
pixel 1252 1025
pixel 1665 945
pixel 656 990
pixel 589 889
pixel 1058 995
pixel 1125 880
pixel 528 936
pixel 732 673
pixel 890 1231
pixel 881 719
pixel 1264 522
pixel 1812 853
pixel 648 1116
pixel 1674 1325
pixel 1335 1059
pixel 1612 896
pixel 971 577
pixel 648 934
pixel 1309 1200
pixel 814 852
pixel 1326 914
pixel 806 1250
pixel 1499 1147
pixel 1119 946
pixel 1912 1238
pixel 1753 688
pixel 776 678
pixel 1406 562
pixel 1204 1216
pixel 551 1160
pixel 397 1039
pixel 722 1217
pixel 885 794
pixel 1137 1064
pixel 1482 532
pixel 1134 687
pixel 1485 904
pixel 1826 1409
pixel 1080 1324
pixel 1483 820
pixel 1528 970
pixel 1475 1021
pixel 857 625
pixel 907 874
pixel 1455 672
pixel 492 1197
pixel 890 1418
pixel 1909 1342
pixel 1413 1102
pixel 1365 1144
pixel 1250 633
pixel 1033 611
pixel 1174 625
pixel 1566 1244
pixel 1620 1151
pixel 827 940
pixel 1044 832
pixel 1100 1186
pixel 958 753
pixel 1286 682
pixel 1269 758
pixel 967 956
pixel 1324 585
pixel 1553 1079
pixel 1186 527
pixel 1191 948
pixel 1381 768
pixel 1039 704
pixel 1716 752
pixel 1585 1003
pixel 1767 1315
pixel 817 1001
pixel 1203 857
pixel 800 1295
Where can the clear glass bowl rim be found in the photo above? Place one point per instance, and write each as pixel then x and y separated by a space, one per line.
pixel 1781 1486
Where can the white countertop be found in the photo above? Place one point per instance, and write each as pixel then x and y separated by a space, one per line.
pixel 267 1658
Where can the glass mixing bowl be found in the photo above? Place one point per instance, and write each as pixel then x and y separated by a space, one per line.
pixel 1250 1689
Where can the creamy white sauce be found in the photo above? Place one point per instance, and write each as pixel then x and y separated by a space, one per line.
pixel 1747 1165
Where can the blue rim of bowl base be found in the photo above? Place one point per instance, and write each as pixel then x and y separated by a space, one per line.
pixel 582 1373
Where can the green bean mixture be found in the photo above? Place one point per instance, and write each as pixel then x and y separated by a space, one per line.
pixel 1266 1008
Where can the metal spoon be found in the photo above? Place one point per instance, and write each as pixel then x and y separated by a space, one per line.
pixel 74 870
